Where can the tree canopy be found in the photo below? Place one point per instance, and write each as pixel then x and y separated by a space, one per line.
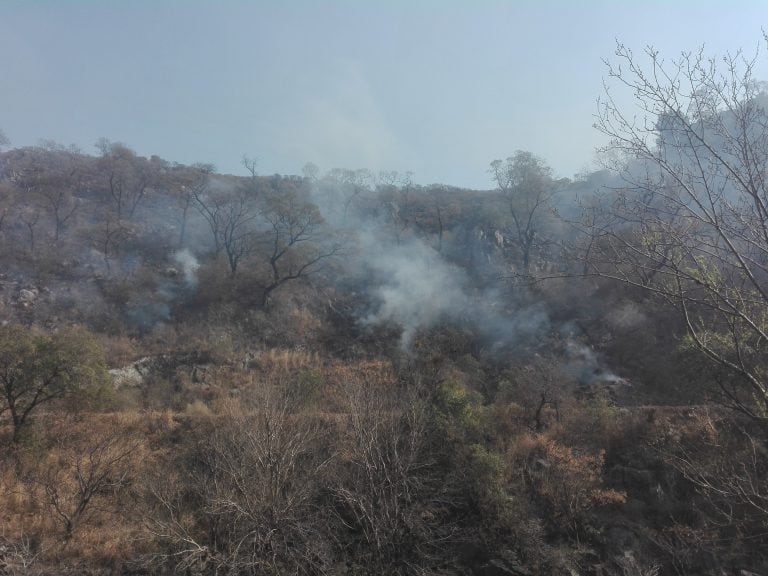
pixel 38 368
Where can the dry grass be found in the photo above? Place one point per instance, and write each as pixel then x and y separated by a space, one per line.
pixel 562 465
pixel 42 483
pixel 287 360
pixel 119 350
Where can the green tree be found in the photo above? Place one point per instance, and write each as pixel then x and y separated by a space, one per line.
pixel 38 368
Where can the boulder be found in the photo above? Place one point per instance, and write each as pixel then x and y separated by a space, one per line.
pixel 126 376
pixel 132 375
pixel 27 295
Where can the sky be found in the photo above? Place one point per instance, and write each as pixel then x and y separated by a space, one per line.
pixel 436 87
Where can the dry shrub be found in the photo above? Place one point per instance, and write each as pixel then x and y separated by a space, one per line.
pixel 187 383
pixel 228 405
pixel 243 498
pixel 86 469
pixel 341 378
pixel 386 488
pixel 194 334
pixel 573 483
pixel 594 424
pixel 70 492
pixel 631 566
pixel 119 350
pixel 511 420
pixel 540 386
pixel 304 324
pixel 19 558
pixel 197 408
pixel 162 338
pixel 724 461
pixel 21 514
pixel 687 550
pixel 286 361
pixel 225 377
pixel 569 483
pixel 156 423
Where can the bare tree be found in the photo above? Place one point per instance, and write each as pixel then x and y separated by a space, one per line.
pixel 385 488
pixel 311 171
pixel 25 177
pixel 297 242
pixel 19 558
pixel 691 222
pixel 726 464
pixel 108 235
pixel 84 472
pixel 4 141
pixel 126 176
pixel 232 216
pixel 186 185
pixel 339 190
pixel 30 216
pixel 526 183
pixel 7 201
pixel 249 163
pixel 394 195
pixel 431 210
pixel 255 479
pixel 62 205
pixel 49 177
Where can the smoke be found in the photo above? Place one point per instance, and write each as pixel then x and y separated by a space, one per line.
pixel 343 123
pixel 145 314
pixel 189 265
pixel 523 325
pixel 412 284
pixel 416 288
pixel 147 310
pixel 585 365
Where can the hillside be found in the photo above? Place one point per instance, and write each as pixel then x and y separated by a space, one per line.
pixel 344 373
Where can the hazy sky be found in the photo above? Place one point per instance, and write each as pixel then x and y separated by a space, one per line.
pixel 438 87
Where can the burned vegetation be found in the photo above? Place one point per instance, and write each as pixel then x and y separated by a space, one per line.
pixel 348 373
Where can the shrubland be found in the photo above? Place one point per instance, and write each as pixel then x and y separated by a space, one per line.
pixel 348 373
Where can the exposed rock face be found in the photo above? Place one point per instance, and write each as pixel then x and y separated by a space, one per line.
pixel 132 375
pixel 142 371
pixel 127 376
pixel 28 295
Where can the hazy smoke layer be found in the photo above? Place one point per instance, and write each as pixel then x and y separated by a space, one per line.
pixel 413 286
pixel 416 287
pixel 189 265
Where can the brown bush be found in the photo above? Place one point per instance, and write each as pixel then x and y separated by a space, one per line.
pixel 70 493
pixel 569 484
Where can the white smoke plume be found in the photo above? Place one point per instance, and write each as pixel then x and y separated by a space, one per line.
pixel 416 288
pixel 189 265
